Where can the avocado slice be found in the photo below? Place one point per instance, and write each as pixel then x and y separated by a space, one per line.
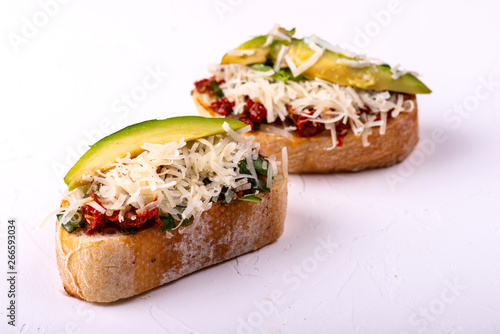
pixel 255 45
pixel 103 154
pixel 332 66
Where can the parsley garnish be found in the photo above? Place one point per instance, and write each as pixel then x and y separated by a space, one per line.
pixel 73 223
pixel 168 223
pixel 284 74
pixel 215 86
pixel 250 198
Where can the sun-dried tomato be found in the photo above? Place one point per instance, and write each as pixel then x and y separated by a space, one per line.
pixel 222 106
pixel 257 112
pixel 243 118
pixel 306 127
pixel 114 216
pixel 204 85
pixel 95 220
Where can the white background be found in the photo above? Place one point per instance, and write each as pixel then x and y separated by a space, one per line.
pixel 408 249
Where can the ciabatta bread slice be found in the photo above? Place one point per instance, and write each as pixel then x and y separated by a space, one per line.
pixel 105 268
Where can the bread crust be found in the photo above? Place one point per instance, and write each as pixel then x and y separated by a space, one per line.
pixel 311 154
pixel 105 268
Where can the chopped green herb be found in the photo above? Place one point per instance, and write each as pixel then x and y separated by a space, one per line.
pixel 260 67
pixel 242 165
pixel 250 198
pixel 260 185
pixel 70 227
pixel 284 74
pixel 259 165
pixel 74 223
pixel 185 222
pixel 216 88
pixel 168 223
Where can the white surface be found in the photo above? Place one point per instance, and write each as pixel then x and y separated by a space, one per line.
pixel 409 249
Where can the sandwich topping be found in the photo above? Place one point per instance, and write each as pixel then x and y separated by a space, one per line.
pixel 170 185
pixel 276 101
pixel 290 86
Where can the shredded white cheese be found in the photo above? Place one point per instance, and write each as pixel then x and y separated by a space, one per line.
pixel 334 48
pixel 177 178
pixel 75 199
pixel 398 71
pixel 357 60
pixel 276 33
pixel 330 103
pixel 280 58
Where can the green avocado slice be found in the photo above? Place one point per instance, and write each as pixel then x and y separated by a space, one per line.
pixel 332 66
pixel 256 45
pixel 104 153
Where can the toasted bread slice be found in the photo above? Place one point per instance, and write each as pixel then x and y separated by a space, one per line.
pixel 311 154
pixel 105 268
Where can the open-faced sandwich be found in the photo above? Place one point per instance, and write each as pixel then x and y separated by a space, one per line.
pixel 332 109
pixel 163 198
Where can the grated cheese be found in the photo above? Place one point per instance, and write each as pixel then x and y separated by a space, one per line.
pixel 276 33
pixel 330 103
pixel 171 177
pixel 334 48
pixel 279 59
